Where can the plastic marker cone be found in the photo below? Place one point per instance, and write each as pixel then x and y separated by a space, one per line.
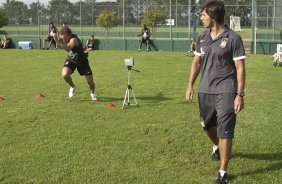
pixel 111 105
pixel 1 98
pixel 40 96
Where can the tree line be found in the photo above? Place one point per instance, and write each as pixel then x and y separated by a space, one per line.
pixel 15 12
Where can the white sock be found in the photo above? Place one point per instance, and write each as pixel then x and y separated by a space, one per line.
pixel 214 148
pixel 222 172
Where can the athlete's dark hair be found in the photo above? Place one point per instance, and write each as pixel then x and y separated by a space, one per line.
pixel 216 10
pixel 65 30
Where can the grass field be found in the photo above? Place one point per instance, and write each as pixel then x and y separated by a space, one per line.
pixel 62 140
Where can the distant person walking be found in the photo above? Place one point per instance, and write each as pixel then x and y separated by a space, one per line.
pixel 219 56
pixel 76 59
pixel 145 37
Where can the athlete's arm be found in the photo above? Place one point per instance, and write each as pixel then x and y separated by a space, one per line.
pixel 241 75
pixel 66 46
pixel 194 72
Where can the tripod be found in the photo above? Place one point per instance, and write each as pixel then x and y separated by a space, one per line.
pixel 126 101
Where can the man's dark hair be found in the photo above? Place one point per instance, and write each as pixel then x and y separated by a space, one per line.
pixel 65 30
pixel 216 10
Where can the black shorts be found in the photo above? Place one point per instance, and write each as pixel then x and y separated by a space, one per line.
pixel 145 40
pixel 217 110
pixel 83 67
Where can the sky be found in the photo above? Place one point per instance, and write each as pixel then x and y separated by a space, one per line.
pixel 45 2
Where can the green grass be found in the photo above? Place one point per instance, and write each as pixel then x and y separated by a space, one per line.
pixel 61 140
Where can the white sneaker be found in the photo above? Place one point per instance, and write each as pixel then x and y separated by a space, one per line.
pixel 93 96
pixel 71 91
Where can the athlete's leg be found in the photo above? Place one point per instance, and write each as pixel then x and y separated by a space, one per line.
pixel 141 42
pixel 148 44
pixel 90 82
pixel 44 43
pixel 66 74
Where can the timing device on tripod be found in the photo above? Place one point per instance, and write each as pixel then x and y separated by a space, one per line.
pixel 129 91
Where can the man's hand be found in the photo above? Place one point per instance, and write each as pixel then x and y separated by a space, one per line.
pixel 189 94
pixel 238 104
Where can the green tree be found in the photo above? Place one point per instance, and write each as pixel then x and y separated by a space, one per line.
pixel 153 18
pixel 107 20
pixel 35 10
pixel 3 19
pixel 62 11
pixel 17 11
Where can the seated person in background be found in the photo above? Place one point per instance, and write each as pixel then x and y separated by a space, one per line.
pixel 193 46
pixel 145 37
pixel 90 43
pixel 5 42
pixel 50 38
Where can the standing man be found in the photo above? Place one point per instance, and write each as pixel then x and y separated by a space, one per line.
pixel 76 59
pixel 220 57
pixel 145 37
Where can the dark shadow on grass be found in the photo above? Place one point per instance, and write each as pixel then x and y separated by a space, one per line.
pixel 2 178
pixel 109 99
pixel 150 100
pixel 274 158
pixel 159 97
pixel 259 156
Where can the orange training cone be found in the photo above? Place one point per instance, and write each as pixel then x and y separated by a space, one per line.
pixel 40 96
pixel 2 98
pixel 111 105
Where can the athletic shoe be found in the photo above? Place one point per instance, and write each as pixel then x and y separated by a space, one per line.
pixel 138 49
pixel 93 96
pixel 221 179
pixel 71 91
pixel 215 155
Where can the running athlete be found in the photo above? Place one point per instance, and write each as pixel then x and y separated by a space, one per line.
pixel 76 59
pixel 219 56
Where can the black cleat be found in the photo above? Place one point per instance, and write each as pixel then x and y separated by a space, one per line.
pixel 215 155
pixel 221 179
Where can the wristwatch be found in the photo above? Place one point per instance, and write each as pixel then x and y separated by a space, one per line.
pixel 241 94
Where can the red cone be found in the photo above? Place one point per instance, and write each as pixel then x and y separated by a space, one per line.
pixel 40 96
pixel 2 98
pixel 111 105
